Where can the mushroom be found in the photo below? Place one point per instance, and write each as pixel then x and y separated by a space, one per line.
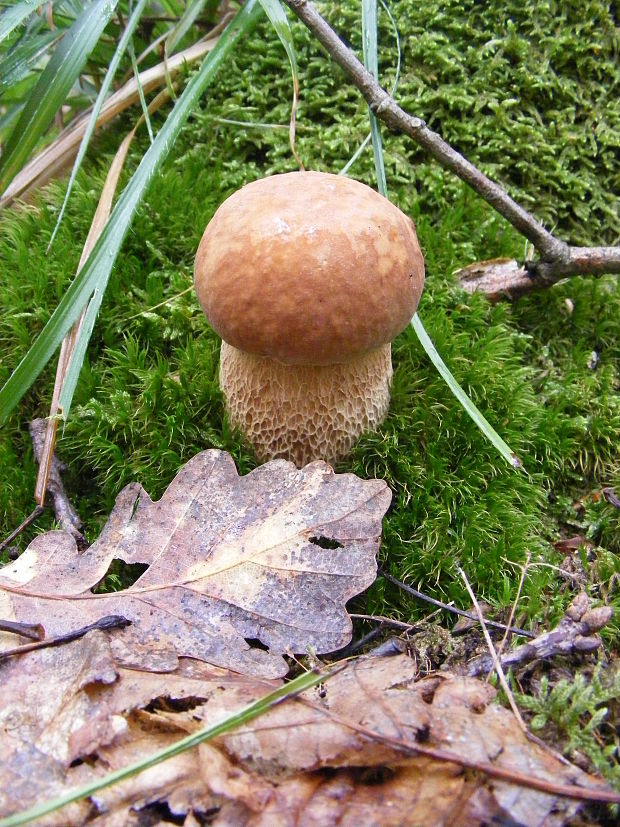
pixel 307 277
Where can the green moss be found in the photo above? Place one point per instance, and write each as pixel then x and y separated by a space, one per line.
pixel 526 90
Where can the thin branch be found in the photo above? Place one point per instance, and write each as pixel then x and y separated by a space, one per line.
pixel 453 609
pixel 576 632
pixel 65 514
pixel 558 259
pixel 16 532
pixel 103 624
pixel 512 776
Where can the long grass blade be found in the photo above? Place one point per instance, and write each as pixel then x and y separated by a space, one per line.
pixel 368 137
pixel 370 50
pixel 244 716
pixel 277 16
pixel 94 115
pixel 11 18
pixel 184 25
pixel 136 74
pixel 371 62
pixel 19 62
pixel 62 151
pixel 96 271
pixel 74 344
pixel 466 403
pixel 53 86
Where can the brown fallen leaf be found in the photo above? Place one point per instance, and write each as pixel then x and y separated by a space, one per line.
pixel 355 754
pixel 273 556
pixel 350 758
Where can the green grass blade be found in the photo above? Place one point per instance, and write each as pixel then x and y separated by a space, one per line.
pixel 77 357
pixel 485 426
pixel 23 56
pixel 53 86
pixel 371 62
pixel 369 137
pixel 97 268
pixel 11 18
pixel 369 40
pixel 103 93
pixel 278 19
pixel 145 109
pixel 244 716
pixel 277 16
pixel 184 25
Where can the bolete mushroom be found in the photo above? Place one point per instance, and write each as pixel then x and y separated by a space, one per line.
pixel 307 277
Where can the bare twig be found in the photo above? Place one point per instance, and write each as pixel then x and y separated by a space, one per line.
pixel 453 609
pixel 576 632
pixel 66 515
pixel 497 665
pixel 388 621
pixel 32 631
pixel 491 770
pixel 103 624
pixel 558 259
pixel 16 532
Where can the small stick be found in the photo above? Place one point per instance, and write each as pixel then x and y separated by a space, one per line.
pixel 558 259
pixel 462 612
pixel 16 532
pixel 32 631
pixel 387 621
pixel 576 632
pixel 65 514
pixel 105 623
pixel 496 661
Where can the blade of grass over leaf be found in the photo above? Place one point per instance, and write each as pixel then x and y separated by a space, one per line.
pixel 369 40
pixel 244 716
pixel 277 16
pixel 11 18
pixel 53 86
pixel 103 93
pixel 96 271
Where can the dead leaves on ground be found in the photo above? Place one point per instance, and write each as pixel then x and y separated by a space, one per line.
pixel 272 557
pixel 339 756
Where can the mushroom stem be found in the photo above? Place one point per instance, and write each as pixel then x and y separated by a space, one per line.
pixel 305 412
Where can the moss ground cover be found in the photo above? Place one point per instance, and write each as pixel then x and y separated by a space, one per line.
pixel 529 92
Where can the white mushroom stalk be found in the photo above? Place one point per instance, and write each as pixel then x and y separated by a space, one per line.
pixel 307 277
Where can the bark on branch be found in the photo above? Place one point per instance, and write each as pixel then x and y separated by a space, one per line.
pixel 558 259
pixel 576 632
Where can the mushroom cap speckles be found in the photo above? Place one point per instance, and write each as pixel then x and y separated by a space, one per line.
pixel 308 268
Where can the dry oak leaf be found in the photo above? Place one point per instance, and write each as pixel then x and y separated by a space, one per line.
pixel 272 556
pixel 68 716
pixel 344 756
pixel 352 756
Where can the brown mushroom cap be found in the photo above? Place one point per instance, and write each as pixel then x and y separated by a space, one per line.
pixel 308 268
